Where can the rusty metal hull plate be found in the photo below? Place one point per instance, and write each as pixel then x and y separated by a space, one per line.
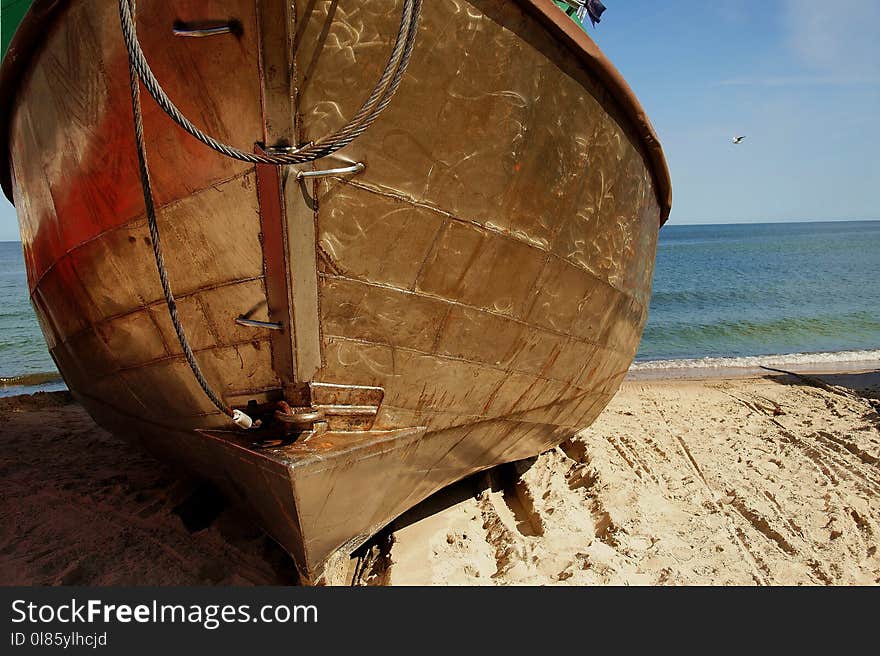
pixel 489 271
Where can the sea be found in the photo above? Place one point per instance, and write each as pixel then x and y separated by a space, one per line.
pixel 746 295
pixel 25 363
pixel 725 297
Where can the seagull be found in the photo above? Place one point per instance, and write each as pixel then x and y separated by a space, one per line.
pixel 738 140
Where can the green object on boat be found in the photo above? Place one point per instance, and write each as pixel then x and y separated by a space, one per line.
pixel 569 8
pixel 11 14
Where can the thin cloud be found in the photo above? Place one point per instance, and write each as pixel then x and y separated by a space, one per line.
pixel 799 81
pixel 837 37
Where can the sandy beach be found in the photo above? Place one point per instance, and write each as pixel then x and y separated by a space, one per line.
pixel 764 479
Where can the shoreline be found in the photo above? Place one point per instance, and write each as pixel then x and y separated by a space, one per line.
pixel 673 373
pixel 826 362
pixel 655 374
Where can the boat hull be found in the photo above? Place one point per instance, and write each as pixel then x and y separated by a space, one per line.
pixel 483 283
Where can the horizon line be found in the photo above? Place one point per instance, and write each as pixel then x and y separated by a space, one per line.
pixel 670 223
pixel 766 221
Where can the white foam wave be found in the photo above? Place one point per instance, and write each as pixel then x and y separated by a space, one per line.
pixel 756 361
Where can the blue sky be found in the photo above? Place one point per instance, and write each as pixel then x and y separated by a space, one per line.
pixel 799 78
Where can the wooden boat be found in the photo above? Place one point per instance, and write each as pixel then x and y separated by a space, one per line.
pixel 473 296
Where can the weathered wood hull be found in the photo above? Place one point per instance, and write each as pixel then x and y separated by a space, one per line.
pixel 487 275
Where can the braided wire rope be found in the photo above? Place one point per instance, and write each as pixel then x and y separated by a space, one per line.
pixel 147 187
pixel 363 119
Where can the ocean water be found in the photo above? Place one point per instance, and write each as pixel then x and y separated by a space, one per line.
pixel 25 363
pixel 724 296
pixel 803 292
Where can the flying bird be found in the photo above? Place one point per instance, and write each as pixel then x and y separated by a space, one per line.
pixel 738 140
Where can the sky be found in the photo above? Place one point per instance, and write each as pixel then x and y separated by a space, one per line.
pixel 799 78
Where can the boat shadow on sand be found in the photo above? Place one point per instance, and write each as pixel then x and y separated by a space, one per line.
pixel 81 507
pixel 862 387
pixel 862 384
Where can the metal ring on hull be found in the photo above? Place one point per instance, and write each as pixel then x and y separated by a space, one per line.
pixel 366 115
pixel 184 30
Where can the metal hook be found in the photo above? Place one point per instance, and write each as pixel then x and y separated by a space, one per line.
pixel 354 168
pixel 253 323
pixel 192 30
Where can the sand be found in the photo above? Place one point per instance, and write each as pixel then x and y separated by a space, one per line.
pixel 80 507
pixel 759 480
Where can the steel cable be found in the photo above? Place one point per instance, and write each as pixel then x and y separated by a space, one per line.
pixel 147 187
pixel 363 119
